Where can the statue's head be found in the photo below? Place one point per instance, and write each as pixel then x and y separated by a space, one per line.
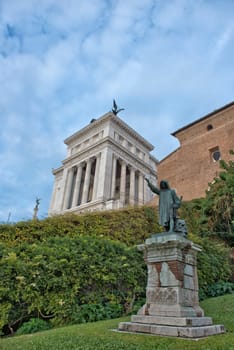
pixel 164 185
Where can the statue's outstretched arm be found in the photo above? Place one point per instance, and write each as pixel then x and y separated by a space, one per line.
pixel 152 187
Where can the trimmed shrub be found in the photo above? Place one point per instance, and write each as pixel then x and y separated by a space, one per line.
pixel 74 268
pixel 63 277
pixel 33 325
pixel 130 226
pixel 213 263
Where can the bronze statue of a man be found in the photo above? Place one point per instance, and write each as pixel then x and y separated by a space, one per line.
pixel 36 208
pixel 169 202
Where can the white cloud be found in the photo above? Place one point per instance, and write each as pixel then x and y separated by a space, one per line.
pixel 225 38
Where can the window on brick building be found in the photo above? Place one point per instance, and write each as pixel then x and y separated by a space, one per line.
pixel 209 127
pixel 215 154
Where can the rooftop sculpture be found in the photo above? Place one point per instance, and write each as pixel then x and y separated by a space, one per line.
pixel 115 109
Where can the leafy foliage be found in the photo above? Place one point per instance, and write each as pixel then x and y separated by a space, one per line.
pixel 213 216
pixel 220 203
pixel 69 269
pixel 33 325
pixel 65 278
pixel 96 312
pixel 130 226
pixel 63 266
pixel 220 288
pixel 98 335
pixel 193 213
pixel 213 263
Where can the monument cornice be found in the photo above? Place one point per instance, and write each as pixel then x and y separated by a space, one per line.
pixel 115 146
pixel 121 152
pixel 115 119
pixel 57 170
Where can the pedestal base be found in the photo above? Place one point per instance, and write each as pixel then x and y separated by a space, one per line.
pixel 172 305
pixel 185 328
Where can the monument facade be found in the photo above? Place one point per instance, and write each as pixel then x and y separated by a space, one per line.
pixel 104 169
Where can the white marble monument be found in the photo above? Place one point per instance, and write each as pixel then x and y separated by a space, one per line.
pixel 104 169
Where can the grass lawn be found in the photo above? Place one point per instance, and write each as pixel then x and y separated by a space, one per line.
pixel 99 335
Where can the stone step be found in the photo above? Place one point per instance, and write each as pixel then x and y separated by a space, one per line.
pixel 173 321
pixel 171 331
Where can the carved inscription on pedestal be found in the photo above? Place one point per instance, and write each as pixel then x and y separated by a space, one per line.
pixel 166 296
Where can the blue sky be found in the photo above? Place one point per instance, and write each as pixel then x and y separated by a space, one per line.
pixel 167 62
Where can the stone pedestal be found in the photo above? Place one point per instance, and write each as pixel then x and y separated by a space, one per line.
pixel 172 304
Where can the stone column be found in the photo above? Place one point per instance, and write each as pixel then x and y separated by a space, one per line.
pixel 141 190
pixel 132 186
pixel 68 188
pixel 113 181
pixel 53 199
pixel 123 182
pixel 96 176
pixel 147 192
pixel 77 186
pixel 101 175
pixel 86 181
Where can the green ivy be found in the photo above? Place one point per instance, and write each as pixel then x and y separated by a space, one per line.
pixel 56 278
pixel 80 268
pixel 130 226
pixel 213 262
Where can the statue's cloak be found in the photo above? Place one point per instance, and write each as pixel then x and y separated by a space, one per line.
pixel 168 201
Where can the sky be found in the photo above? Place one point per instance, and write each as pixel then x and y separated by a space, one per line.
pixel 167 62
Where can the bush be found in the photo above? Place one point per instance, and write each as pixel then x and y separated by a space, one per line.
pixel 220 288
pixel 64 277
pixel 213 216
pixel 75 269
pixel 213 263
pixel 32 326
pixel 130 226
pixel 96 312
pixel 193 212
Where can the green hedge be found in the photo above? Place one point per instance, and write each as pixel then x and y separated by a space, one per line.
pixel 74 268
pixel 213 263
pixel 130 226
pixel 56 278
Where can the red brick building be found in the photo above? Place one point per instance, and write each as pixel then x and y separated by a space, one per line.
pixel 203 143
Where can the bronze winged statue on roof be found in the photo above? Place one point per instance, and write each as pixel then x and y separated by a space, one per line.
pixel 115 109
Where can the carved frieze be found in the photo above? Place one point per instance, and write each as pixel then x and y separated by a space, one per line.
pixel 166 296
pixel 117 149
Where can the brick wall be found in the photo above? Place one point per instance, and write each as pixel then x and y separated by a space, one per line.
pixel 191 167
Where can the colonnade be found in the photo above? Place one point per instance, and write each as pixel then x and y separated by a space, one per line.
pixel 127 183
pixel 82 183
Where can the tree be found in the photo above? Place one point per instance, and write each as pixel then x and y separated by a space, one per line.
pixel 219 203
